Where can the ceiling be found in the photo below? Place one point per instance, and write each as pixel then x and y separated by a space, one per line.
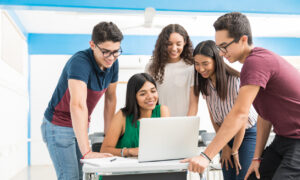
pixel 133 22
pixel 275 18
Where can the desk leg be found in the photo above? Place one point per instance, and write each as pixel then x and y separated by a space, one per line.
pixel 152 176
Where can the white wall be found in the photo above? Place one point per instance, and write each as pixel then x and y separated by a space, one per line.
pixel 13 98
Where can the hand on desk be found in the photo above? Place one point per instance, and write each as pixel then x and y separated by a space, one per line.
pixel 133 152
pixel 196 164
pixel 97 155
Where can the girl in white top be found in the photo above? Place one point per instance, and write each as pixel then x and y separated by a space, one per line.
pixel 172 68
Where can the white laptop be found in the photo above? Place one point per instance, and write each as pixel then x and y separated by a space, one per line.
pixel 168 138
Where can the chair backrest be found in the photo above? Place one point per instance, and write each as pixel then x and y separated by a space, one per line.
pixel 207 137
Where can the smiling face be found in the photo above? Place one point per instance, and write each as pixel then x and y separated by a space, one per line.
pixel 234 51
pixel 204 65
pixel 101 49
pixel 147 96
pixel 175 46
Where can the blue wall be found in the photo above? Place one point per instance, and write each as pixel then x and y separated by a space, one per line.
pixel 141 45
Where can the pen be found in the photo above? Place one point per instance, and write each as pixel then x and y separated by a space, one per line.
pixel 113 159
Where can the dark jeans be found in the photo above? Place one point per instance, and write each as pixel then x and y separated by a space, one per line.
pixel 281 160
pixel 246 152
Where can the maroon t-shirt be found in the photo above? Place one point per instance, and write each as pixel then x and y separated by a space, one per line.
pixel 278 99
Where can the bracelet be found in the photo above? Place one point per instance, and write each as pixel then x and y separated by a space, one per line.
pixel 85 154
pixel 257 159
pixel 205 156
pixel 122 152
pixel 233 154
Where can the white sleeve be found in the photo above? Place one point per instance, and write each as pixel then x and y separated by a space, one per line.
pixel 191 76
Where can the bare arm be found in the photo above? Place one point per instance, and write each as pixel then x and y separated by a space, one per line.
pixel 225 157
pixel 164 111
pixel 112 136
pixel 263 132
pixel 238 139
pixel 109 105
pixel 234 120
pixel 79 116
pixel 79 113
pixel 193 105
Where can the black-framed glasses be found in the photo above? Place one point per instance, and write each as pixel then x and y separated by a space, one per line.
pixel 107 53
pixel 224 49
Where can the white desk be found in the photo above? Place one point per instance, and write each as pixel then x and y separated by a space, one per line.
pixel 127 168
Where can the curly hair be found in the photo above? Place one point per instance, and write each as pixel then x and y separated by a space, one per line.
pixel 160 55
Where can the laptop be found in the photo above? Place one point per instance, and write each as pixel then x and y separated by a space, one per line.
pixel 168 138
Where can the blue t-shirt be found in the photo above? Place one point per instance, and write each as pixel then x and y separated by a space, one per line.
pixel 81 66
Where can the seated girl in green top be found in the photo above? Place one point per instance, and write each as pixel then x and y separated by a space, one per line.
pixel 122 138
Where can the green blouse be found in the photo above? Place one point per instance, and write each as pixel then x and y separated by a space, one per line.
pixel 130 139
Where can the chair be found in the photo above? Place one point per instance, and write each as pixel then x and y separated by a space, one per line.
pixel 96 141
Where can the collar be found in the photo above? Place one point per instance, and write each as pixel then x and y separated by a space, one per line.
pixel 95 65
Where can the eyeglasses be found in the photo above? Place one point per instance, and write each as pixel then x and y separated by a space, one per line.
pixel 107 53
pixel 224 49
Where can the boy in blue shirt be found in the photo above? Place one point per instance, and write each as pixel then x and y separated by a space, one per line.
pixel 85 78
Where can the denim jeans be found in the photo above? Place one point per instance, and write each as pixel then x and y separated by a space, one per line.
pixel 63 149
pixel 246 152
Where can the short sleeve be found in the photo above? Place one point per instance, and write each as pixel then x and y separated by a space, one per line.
pixel 192 76
pixel 115 76
pixel 234 87
pixel 256 71
pixel 79 68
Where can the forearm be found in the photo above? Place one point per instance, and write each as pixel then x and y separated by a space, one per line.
pixel 238 139
pixel 79 116
pixel 114 151
pixel 262 135
pixel 193 110
pixel 193 103
pixel 231 125
pixel 109 111
pixel 117 151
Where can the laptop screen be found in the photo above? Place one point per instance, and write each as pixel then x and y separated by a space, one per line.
pixel 168 138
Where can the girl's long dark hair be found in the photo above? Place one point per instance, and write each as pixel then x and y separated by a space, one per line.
pixel 222 70
pixel 134 84
pixel 160 55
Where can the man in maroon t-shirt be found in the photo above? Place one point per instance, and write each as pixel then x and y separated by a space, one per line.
pixel 272 85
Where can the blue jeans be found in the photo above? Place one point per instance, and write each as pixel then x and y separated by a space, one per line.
pixel 246 152
pixel 63 149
